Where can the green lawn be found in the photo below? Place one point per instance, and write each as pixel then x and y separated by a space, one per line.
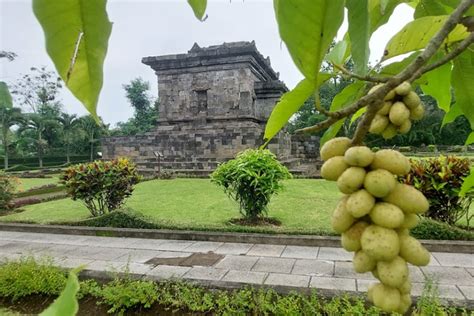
pixel 304 206
pixel 28 183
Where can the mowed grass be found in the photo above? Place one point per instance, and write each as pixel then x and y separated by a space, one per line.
pixel 304 206
pixel 25 184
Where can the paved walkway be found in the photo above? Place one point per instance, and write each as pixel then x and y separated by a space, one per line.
pixel 233 264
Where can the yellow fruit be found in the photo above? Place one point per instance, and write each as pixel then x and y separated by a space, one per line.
pixel 379 182
pixel 360 203
pixel 389 95
pixel 409 199
pixel 405 304
pixel 403 232
pixel 380 243
pixel 359 156
pixel 370 291
pixel 335 147
pixel 417 113
pixel 410 221
pixel 399 113
pixel 374 272
pixel 333 168
pixel 391 160
pixel 413 252
pixel 405 288
pixel 350 239
pixel 386 215
pixel 393 273
pixel 385 108
pixel 411 100
pixel 378 124
pixel 386 298
pixel 351 180
pixel 390 131
pixel 341 219
pixel 405 127
pixel 403 89
pixel 362 262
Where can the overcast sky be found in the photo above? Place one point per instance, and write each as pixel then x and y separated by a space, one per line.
pixel 159 27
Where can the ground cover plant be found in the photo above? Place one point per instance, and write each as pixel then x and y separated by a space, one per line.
pixel 7 189
pixel 124 295
pixel 251 179
pixel 102 186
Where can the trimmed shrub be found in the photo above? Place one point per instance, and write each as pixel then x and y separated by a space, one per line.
pixel 117 219
pixel 103 186
pixel 7 191
pixel 431 229
pixel 440 180
pixel 251 179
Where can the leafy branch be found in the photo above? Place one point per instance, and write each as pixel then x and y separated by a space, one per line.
pixel 374 100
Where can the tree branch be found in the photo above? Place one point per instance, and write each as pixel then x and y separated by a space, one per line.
pixel 368 78
pixel 374 102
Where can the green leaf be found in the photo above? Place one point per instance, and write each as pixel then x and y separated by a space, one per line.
pixel 461 80
pixel 308 27
pixel 429 7
pixel 470 139
pixel 416 35
pixel 395 67
pixel 359 33
pixel 451 115
pixel 358 114
pixel 5 96
pixel 337 55
pixel 77 34
pixel 344 98
pixel 199 8
pixel 289 104
pixel 438 85
pixel 380 12
pixel 66 304
pixel 467 184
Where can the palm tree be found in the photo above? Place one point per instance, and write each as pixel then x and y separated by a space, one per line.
pixel 69 124
pixel 9 116
pixel 38 124
pixel 93 130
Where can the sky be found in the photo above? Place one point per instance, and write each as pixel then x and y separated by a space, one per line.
pixel 159 27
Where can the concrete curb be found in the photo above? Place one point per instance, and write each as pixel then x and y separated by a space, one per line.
pixel 452 246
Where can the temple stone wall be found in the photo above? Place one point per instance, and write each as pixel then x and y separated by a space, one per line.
pixel 214 103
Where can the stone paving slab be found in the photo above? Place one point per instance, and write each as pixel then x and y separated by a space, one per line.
pixel 291 267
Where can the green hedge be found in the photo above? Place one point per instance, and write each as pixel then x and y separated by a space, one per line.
pixel 32 162
pixel 431 229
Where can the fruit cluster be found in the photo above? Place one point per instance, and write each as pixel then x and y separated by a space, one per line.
pixel 374 217
pixel 401 106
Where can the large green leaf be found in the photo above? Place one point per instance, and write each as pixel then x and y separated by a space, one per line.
pixel 380 12
pixel 338 55
pixel 308 27
pixel 467 184
pixel 430 7
pixel 470 139
pixel 66 304
pixel 451 115
pixel 344 98
pixel 77 34
pixel 462 80
pixel 199 8
pixel 438 85
pixel 359 33
pixel 5 96
pixel 289 104
pixel 416 35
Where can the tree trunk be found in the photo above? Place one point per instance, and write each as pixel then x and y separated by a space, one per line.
pixel 5 146
pixel 68 159
pixel 92 150
pixel 40 150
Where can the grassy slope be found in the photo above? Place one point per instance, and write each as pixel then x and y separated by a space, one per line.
pixel 304 206
pixel 28 183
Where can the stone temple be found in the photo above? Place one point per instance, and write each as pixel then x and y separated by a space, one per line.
pixel 214 103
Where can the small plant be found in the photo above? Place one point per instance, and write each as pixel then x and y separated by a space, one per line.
pixel 7 190
pixel 102 185
pixel 251 179
pixel 440 180
pixel 432 148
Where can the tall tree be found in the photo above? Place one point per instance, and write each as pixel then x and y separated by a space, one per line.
pixel 9 116
pixel 93 131
pixel 69 124
pixel 38 89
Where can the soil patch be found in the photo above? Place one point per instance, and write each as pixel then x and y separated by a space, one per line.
pixel 261 221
